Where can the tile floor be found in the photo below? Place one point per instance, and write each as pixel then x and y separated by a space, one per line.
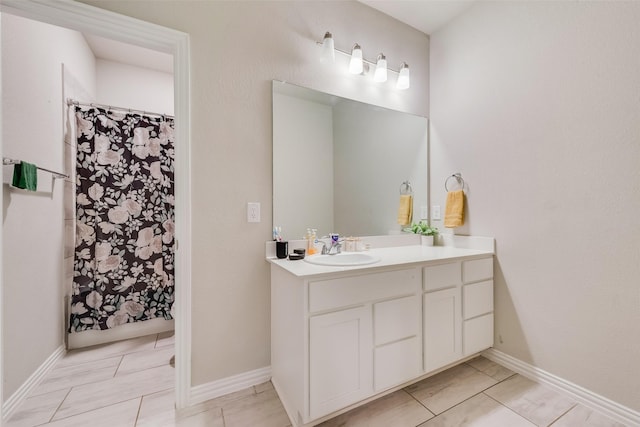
pixel 130 384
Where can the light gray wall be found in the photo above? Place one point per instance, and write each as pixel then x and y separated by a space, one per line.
pixel 32 127
pixel 237 48
pixel 537 105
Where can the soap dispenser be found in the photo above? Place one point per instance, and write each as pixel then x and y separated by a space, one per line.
pixel 311 238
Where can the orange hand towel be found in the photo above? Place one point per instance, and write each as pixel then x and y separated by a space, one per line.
pixel 454 211
pixel 405 210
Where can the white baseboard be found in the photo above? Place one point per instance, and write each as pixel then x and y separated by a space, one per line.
pixel 601 404
pixel 12 403
pixel 211 390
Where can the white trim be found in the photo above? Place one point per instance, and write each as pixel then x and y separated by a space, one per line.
pixel 25 389
pixel 211 390
pixel 182 89
pixel 1 263
pixel 89 19
pixel 586 397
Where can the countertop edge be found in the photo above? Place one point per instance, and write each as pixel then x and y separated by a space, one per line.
pixel 310 271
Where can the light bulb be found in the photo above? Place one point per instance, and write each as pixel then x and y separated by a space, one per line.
pixel 355 65
pixel 380 74
pixel 403 77
pixel 328 51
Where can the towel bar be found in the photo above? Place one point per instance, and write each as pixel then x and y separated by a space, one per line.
pixel 56 175
pixel 405 188
pixel 458 178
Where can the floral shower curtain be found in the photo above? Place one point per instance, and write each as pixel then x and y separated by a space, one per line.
pixel 124 250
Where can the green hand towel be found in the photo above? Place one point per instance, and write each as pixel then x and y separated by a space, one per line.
pixel 25 175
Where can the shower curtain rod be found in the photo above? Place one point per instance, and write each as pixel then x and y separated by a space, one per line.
pixel 111 107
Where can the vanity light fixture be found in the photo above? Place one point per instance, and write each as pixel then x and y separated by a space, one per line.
pixel 403 77
pixel 328 50
pixel 359 65
pixel 356 64
pixel 380 75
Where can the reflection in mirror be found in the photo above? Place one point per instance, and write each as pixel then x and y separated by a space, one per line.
pixel 338 164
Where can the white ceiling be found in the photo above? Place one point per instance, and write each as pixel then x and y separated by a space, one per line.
pixel 424 15
pixel 112 50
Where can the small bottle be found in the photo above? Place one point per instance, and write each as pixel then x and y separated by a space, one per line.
pixel 350 244
pixel 311 238
pixel 315 240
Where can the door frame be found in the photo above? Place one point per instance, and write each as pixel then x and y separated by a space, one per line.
pixel 89 19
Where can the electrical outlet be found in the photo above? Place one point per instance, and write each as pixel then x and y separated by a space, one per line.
pixel 253 212
pixel 435 212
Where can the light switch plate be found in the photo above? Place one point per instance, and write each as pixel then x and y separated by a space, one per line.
pixel 435 212
pixel 253 212
pixel 424 212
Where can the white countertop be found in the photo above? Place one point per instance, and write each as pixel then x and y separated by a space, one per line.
pixel 389 257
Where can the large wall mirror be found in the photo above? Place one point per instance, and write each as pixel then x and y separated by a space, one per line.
pixel 339 164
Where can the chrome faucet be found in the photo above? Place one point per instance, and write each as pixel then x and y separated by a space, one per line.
pixel 335 246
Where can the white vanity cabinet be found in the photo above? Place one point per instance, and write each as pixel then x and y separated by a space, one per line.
pixel 457 310
pixel 442 315
pixel 360 327
pixel 340 359
pixel 477 305
pixel 397 341
pixel 340 338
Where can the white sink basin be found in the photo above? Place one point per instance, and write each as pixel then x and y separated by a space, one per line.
pixel 344 259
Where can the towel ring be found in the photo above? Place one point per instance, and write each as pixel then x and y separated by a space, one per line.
pixel 405 188
pixel 458 178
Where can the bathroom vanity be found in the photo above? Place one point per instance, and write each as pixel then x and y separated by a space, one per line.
pixel 341 336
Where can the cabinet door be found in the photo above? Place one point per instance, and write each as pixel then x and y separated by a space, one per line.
pixel 340 359
pixel 442 328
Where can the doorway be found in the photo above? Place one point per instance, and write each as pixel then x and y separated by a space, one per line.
pixel 90 20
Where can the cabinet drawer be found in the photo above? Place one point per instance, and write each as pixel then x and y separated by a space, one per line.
pixel 342 292
pixel 477 269
pixel 396 363
pixel 478 334
pixel 396 319
pixel 441 276
pixel 477 299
